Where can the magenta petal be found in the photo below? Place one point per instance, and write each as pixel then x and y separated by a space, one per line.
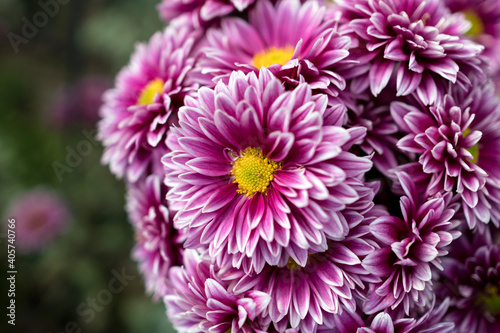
pixel 445 67
pixel 386 229
pixel 256 211
pixel 425 252
pixel 382 323
pixel 284 296
pixel 229 129
pixel 380 73
pixel 379 262
pixel 301 297
pixel 207 167
pixel 360 26
pixel 293 178
pixel 331 274
pixel 407 81
pixel 280 145
pixel 394 51
pixel 427 91
pixel 220 198
pixel 266 226
pixel 211 10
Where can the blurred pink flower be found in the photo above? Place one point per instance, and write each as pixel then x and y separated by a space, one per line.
pixel 79 102
pixel 40 216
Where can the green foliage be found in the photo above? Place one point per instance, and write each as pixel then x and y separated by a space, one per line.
pixel 89 38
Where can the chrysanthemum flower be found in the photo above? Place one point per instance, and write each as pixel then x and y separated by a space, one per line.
pixel 459 143
pixel 302 296
pixel 200 301
pixel 418 41
pixel 484 16
pixel 431 321
pixel 137 112
pixel 409 246
pixel 471 278
pixel 310 49
pixel 199 12
pixel 40 216
pixel 256 175
pixel 159 245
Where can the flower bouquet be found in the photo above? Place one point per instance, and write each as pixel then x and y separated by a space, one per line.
pixel 309 166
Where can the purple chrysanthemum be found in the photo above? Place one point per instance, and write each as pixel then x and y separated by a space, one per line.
pixel 256 175
pixel 40 215
pixel 471 279
pixel 459 143
pixel 431 321
pixel 159 245
pixel 484 16
pixel 302 296
pixel 137 112
pixel 199 12
pixel 310 49
pixel 200 301
pixel 418 40
pixel 409 246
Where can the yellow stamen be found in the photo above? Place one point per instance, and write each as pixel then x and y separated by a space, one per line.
pixel 477 27
pixel 474 150
pixel 149 92
pixel 273 56
pixel 491 300
pixel 292 265
pixel 253 172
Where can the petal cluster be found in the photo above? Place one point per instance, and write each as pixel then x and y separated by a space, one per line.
pixel 199 12
pixel 266 145
pixel 203 302
pixel 409 246
pixel 417 41
pixel 310 187
pixel 137 113
pixel 431 321
pixel 484 18
pixel 305 297
pixel 457 141
pixel 316 54
pixel 158 244
pixel 471 278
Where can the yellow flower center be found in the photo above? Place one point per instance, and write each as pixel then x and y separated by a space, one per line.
pixel 253 172
pixel 491 300
pixel 474 150
pixel 273 56
pixel 149 92
pixel 292 265
pixel 477 27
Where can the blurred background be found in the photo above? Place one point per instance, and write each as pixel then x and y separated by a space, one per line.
pixel 56 59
